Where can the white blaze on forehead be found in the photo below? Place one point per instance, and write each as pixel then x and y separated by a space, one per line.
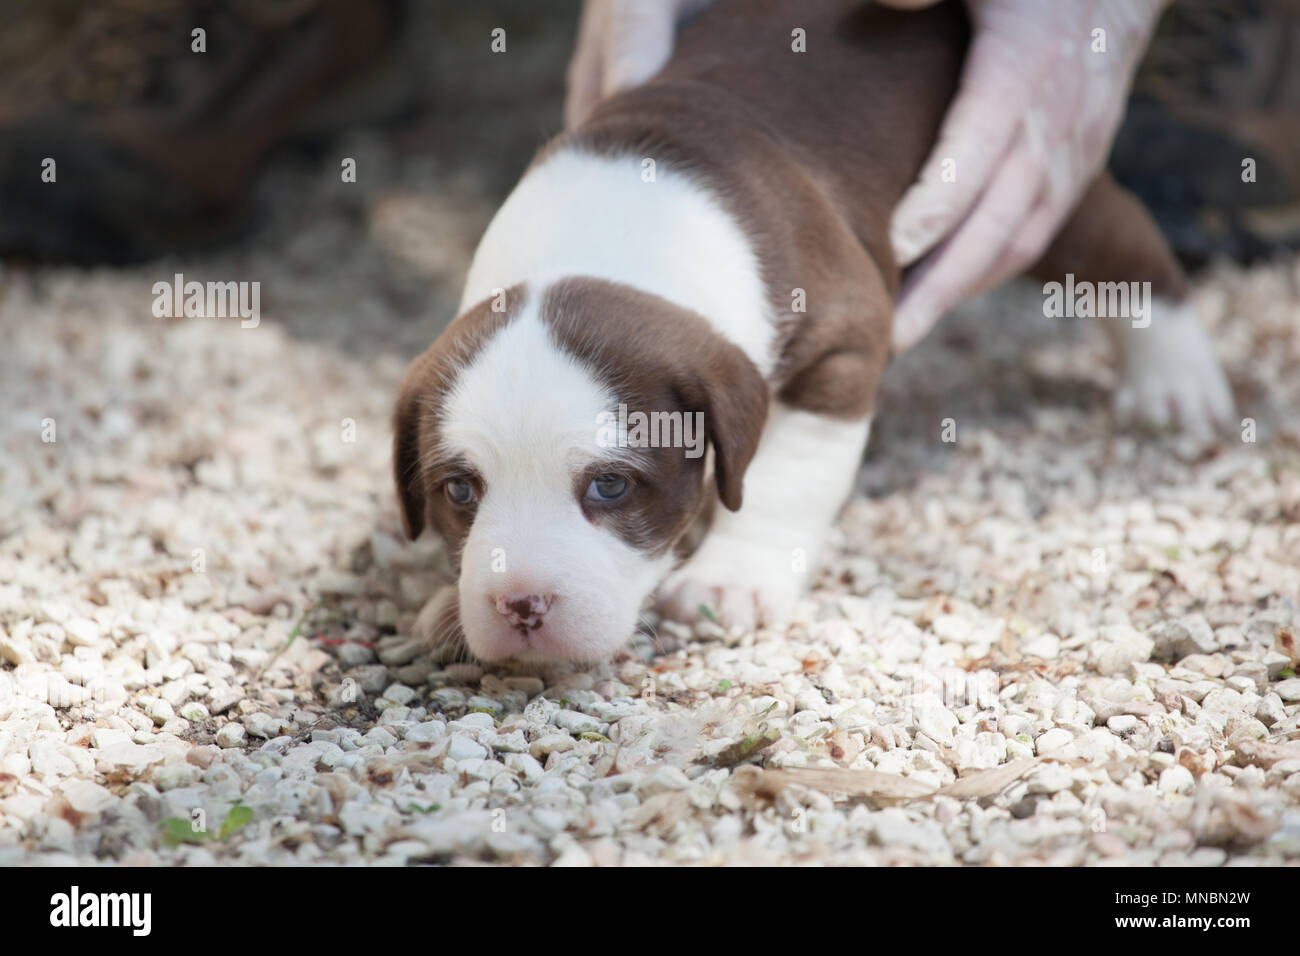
pixel 524 414
pixel 578 214
pixel 524 407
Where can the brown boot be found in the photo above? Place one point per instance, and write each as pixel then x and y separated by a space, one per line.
pixel 156 145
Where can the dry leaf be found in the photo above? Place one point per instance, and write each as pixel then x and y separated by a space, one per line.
pixel 745 748
pixel 986 783
pixel 871 784
pixel 657 815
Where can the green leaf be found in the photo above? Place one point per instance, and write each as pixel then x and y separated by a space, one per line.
pixel 724 686
pixel 177 830
pixel 236 820
pixel 746 747
pixel 706 612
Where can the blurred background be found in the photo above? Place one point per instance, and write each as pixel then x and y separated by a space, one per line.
pixel 163 153
pixel 163 150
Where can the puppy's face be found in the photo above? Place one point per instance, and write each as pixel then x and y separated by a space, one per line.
pixel 508 442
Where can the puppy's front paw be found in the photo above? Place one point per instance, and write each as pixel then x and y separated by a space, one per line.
pixel 740 589
pixel 1160 397
pixel 1172 380
pixel 438 622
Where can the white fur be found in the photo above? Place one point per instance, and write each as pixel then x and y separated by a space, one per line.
pixel 578 214
pixel 1169 374
pixel 756 562
pixel 523 413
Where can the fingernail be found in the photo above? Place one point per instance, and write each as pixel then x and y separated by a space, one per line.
pixel 909 241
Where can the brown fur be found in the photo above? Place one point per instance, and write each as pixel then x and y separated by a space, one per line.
pixel 811 152
pixel 418 472
pixel 1111 237
pixel 657 356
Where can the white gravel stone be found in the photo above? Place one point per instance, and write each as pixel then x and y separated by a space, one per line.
pixel 551 743
pixel 462 748
pixel 158 710
pixel 397 694
pixel 1176 780
pixel 86 796
pixel 1288 690
pixel 194 712
pixel 1122 724
pixel 81 631
pixel 261 724
pixel 231 735
pixel 1052 740
pixel 935 721
pixel 1046 646
pixel 427 732
pixel 576 723
pixel 1270 710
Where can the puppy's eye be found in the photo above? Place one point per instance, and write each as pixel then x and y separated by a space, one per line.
pixel 459 491
pixel 607 488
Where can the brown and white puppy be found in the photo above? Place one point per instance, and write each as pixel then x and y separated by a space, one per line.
pixel 710 250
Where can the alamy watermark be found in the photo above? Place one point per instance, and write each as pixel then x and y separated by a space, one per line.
pixel 129 910
pixel 624 429
pixel 1091 300
pixel 208 300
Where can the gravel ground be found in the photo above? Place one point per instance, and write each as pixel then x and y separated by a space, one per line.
pixel 1045 642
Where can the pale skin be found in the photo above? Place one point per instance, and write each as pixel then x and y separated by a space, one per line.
pixel 1041 96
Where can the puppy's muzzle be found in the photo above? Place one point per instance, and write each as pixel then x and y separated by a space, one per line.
pixel 524 612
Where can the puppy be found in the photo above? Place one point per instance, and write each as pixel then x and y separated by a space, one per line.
pixel 710 251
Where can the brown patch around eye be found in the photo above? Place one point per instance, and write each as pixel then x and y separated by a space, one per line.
pixel 662 499
pixel 416 423
pixel 655 357
pixel 582 486
pixel 450 518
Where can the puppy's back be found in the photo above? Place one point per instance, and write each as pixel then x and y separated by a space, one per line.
pixel 859 109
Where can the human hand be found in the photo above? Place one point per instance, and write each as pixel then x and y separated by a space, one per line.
pixel 1042 94
pixel 621 43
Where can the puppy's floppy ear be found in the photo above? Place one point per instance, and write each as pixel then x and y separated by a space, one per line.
pixel 733 395
pixel 412 495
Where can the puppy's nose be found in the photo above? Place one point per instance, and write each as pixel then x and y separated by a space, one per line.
pixel 524 611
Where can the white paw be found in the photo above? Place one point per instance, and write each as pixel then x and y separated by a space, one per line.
pixel 439 620
pixel 741 589
pixel 1171 380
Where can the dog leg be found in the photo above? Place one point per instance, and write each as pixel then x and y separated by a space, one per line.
pixel 755 563
pixel 1169 375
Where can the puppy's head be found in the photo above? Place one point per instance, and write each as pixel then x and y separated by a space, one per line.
pixel 559 512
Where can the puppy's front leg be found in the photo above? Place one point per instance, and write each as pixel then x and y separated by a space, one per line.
pixel 755 563
pixel 1169 374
